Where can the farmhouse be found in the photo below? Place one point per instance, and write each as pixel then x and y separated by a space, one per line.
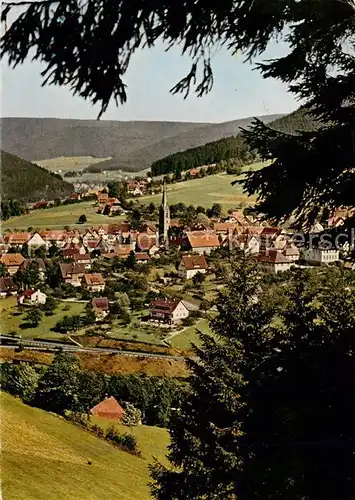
pixel 72 273
pixel 93 282
pixel 190 265
pixel 17 239
pixel 168 311
pixel 32 297
pixel 109 409
pixel 12 262
pixel 72 249
pixel 273 261
pixel 100 306
pixel 201 242
pixel 224 228
pixel 7 287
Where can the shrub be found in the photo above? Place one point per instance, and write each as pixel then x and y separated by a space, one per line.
pixel 97 430
pixel 78 418
pixel 126 442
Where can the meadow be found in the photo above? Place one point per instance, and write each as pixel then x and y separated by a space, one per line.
pixel 205 192
pixel 44 457
pixel 68 163
pixel 59 217
pixel 11 319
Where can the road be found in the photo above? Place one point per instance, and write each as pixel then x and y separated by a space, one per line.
pixel 50 346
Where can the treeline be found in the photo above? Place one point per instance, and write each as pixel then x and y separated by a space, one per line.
pixel 64 387
pixel 11 208
pixel 213 152
pixel 230 148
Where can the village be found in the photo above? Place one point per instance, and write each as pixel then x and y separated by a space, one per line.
pixel 147 283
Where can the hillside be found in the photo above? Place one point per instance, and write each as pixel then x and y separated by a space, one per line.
pixel 229 147
pixel 133 145
pixel 24 181
pixel 45 457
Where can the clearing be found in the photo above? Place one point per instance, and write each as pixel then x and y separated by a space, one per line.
pixel 68 163
pixel 59 217
pixel 205 192
pixel 45 457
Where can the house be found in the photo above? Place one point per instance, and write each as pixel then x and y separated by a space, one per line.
pixel 84 259
pixel 247 242
pixel 190 265
pixel 72 249
pixel 201 242
pixel 58 237
pixel 319 255
pixel 122 251
pixel 224 228
pixel 273 261
pixel 168 311
pixel 142 257
pixel 147 243
pixel 32 297
pixel 7 287
pixel 93 282
pixel 17 239
pixel 100 306
pixel 41 267
pixel 109 409
pixel 193 172
pixel 72 273
pixel 36 241
pixel 12 262
pixel 4 247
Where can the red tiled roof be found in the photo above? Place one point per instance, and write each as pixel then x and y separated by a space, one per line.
pixel 70 269
pixel 12 259
pixel 94 279
pixel 194 262
pixel 17 238
pixel 274 256
pixel 101 303
pixel 142 256
pixel 224 226
pixel 82 257
pixel 163 306
pixel 200 239
pixel 109 408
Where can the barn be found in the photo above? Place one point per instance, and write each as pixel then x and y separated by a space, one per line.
pixel 109 408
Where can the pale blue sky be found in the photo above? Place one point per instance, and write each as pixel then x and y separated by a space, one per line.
pixel 238 91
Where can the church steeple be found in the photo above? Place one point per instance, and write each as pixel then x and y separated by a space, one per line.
pixel 164 219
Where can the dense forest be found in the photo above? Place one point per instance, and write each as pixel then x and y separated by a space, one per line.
pixel 23 181
pixel 228 148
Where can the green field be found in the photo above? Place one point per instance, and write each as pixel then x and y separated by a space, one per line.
pixel 46 458
pixel 204 192
pixel 11 321
pixel 58 217
pixel 69 163
pixel 190 335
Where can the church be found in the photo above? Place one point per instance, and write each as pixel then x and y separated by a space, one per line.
pixel 164 220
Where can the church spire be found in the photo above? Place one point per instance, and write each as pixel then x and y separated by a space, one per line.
pixel 164 218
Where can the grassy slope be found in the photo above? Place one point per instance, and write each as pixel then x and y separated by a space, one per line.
pixel 58 217
pixel 9 322
pixel 205 192
pixel 24 181
pixel 44 457
pixel 69 163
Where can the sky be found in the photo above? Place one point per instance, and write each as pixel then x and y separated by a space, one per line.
pixel 239 91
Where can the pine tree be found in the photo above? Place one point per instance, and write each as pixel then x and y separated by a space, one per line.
pixel 209 444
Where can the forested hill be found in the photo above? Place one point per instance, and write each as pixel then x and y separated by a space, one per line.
pixel 23 181
pixel 233 147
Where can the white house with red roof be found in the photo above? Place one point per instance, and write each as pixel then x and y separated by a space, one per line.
pixel 201 242
pixel 32 297
pixel 273 261
pixel 168 311
pixel 190 265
